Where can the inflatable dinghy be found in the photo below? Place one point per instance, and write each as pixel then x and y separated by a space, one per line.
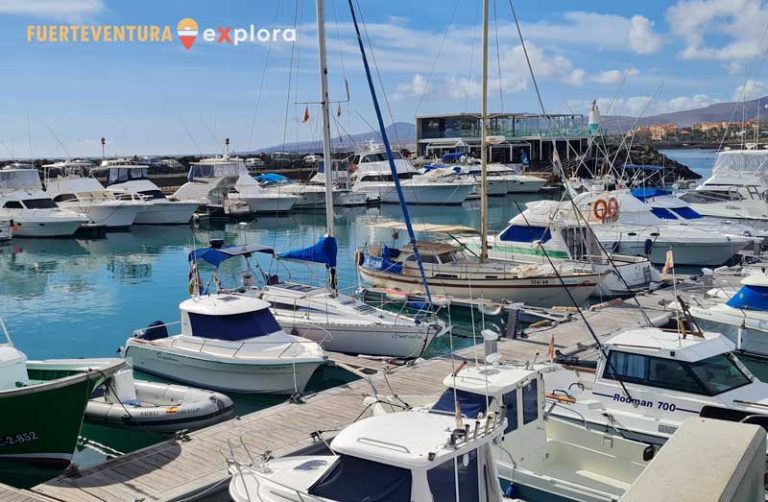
pixel 154 406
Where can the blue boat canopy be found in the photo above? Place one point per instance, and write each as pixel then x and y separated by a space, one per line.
pixel 649 193
pixel 750 297
pixel 216 256
pixel 324 251
pixel 272 178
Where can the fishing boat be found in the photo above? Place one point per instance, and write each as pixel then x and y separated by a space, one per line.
pixel 131 182
pixel 626 225
pixel 337 321
pixel 743 318
pixel 44 403
pixel 452 271
pixel 647 381
pixel 398 457
pixel 550 231
pixel 230 343
pixel 33 212
pixel 737 189
pixel 370 173
pixel 541 459
pixel 123 402
pixel 66 184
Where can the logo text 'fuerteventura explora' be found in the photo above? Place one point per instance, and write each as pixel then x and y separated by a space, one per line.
pixel 187 31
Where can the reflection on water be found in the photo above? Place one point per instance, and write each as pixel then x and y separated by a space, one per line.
pixel 83 298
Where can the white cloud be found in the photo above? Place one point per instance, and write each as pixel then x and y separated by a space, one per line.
pixel 738 25
pixel 418 86
pixel 613 77
pixel 462 87
pixel 751 89
pixel 66 10
pixel 636 105
pixel 642 38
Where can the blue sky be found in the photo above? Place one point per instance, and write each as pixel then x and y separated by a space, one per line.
pixel 635 57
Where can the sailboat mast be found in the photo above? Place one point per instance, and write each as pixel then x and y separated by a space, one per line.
pixel 324 101
pixel 484 144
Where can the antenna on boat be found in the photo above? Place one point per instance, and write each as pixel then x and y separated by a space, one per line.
pixel 484 144
pixel 5 332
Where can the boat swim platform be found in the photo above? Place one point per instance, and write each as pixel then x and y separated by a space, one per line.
pixel 194 467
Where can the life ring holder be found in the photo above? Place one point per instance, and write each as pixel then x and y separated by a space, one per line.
pixel 606 210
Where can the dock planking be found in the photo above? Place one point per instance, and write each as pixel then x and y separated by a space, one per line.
pixel 178 469
pixel 11 494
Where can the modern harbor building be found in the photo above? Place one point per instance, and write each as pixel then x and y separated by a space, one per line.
pixel 515 137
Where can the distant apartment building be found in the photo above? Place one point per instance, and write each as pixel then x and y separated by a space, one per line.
pixel 716 126
pixel 656 132
pixel 514 137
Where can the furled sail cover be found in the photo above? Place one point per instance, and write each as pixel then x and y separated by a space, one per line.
pixel 353 479
pixel 750 298
pixel 215 256
pixel 323 252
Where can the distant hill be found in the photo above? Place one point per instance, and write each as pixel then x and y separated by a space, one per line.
pixel 719 112
pixel 400 134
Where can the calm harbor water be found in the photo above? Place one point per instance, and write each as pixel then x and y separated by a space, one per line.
pixel 83 298
pixel 698 159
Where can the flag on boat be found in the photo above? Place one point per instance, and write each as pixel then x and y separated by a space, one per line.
pixel 194 279
pixel 551 349
pixel 306 115
pixel 669 263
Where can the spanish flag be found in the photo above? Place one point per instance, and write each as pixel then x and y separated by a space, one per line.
pixel 551 350
pixel 669 263
pixel 306 115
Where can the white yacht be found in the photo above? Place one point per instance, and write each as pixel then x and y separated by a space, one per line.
pixel 310 195
pixel 743 318
pixel 343 196
pixel 370 173
pixel 509 177
pixel 552 225
pixel 336 321
pixel 625 225
pixel 65 183
pixel 737 189
pixel 542 459
pixel 33 212
pixel 650 380
pixel 397 457
pixel 452 273
pixel 131 182
pixel 227 342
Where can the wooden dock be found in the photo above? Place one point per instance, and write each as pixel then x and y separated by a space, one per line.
pixel 196 467
pixel 11 494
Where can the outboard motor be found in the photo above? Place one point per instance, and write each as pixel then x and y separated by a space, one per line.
pixel 155 331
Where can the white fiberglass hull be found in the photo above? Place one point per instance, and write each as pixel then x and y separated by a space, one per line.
pixel 347 198
pixel 258 377
pixel 271 204
pixel 165 212
pixel 423 193
pixel 111 215
pixel 535 291
pixel 727 320
pixel 27 224
pixel 756 210
pixel 525 184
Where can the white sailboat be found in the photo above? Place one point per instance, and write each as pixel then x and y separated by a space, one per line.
pixel 226 342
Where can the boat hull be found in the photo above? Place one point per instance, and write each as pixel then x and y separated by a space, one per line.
pixel 268 204
pixel 426 194
pixel 111 216
pixel 539 291
pixel 48 227
pixel 239 377
pixel 694 253
pixel 164 212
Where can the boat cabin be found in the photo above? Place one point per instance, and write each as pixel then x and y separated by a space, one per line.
pixel 133 179
pixel 403 457
pixel 664 205
pixel 13 368
pixel 753 294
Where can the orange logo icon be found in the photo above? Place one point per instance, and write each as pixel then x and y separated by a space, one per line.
pixel 187 32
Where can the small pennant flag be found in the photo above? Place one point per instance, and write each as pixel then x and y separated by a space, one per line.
pixel 306 115
pixel 338 111
pixel 669 263
pixel 551 350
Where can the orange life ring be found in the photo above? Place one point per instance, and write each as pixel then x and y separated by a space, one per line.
pixel 613 208
pixel 600 209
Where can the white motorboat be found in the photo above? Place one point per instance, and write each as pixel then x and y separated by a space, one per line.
pixel 227 342
pixel 131 182
pixel 66 185
pixel 625 225
pixel 127 403
pixel 370 173
pixel 743 318
pixel 737 189
pixel 452 273
pixel 397 457
pixel 548 230
pixel 310 195
pixel 342 195
pixel 33 212
pixel 336 321
pixel 542 459
pixel 258 199
pixel 507 176
pixel 650 380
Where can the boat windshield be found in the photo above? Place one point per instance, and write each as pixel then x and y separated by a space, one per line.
pixel 153 194
pixel 470 404
pixel 720 373
pixel 234 327
pixel 39 204
pixel 353 478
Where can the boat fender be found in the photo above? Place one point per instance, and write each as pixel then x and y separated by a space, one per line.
pixel 648 247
